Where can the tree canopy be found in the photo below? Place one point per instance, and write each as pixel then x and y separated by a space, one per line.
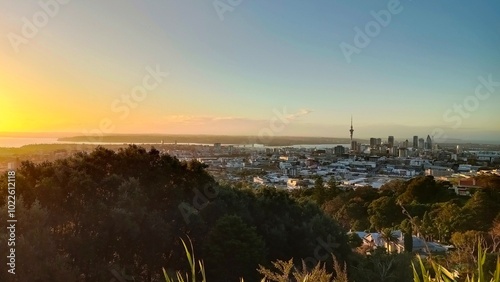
pixel 128 210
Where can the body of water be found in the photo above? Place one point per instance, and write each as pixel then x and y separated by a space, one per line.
pixel 17 142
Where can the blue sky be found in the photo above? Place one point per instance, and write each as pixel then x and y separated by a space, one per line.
pixel 230 76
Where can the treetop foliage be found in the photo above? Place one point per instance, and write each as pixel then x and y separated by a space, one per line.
pixel 127 210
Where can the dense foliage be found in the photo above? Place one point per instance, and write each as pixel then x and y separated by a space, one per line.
pixel 119 215
pixel 94 216
pixel 438 211
pixel 421 206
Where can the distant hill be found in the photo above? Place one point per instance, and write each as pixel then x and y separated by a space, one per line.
pixel 209 139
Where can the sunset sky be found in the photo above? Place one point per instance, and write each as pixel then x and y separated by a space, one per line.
pixel 232 72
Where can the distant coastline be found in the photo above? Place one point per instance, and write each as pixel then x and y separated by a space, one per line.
pixel 140 139
pixel 17 142
pixel 209 139
pixel 236 140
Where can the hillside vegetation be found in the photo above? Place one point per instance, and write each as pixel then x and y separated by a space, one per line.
pixel 120 215
pixel 91 215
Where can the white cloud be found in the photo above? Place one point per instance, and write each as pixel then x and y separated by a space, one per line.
pixel 301 112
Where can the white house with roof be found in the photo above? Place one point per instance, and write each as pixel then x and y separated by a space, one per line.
pixel 375 240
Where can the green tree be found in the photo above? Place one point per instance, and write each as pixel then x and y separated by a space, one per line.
pixel 354 240
pixel 389 238
pixel 233 243
pixel 127 208
pixel 394 187
pixel 483 207
pixel 495 235
pixel 384 212
pixel 444 218
pixel 418 189
pixel 427 227
pixel 488 181
pixel 333 185
pixel 354 211
pixel 38 257
pixel 466 244
pixel 319 191
pixel 407 229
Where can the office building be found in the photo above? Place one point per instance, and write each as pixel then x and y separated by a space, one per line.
pixel 405 144
pixel 390 141
pixel 339 150
pixel 354 146
pixel 421 143
pixel 428 143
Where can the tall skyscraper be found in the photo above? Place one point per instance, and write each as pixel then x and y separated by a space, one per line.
pixel 405 144
pixel 429 143
pixel 390 142
pixel 373 143
pixel 415 142
pixel 354 146
pixel 421 143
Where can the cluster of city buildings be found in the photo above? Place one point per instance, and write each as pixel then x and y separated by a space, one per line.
pixel 390 148
pixel 369 163
pixel 372 163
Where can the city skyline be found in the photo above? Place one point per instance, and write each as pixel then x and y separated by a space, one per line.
pixel 429 68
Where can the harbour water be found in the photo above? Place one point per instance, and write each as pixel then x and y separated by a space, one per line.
pixel 16 142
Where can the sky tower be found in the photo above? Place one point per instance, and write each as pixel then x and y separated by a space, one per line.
pixel 351 130
pixel 354 146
